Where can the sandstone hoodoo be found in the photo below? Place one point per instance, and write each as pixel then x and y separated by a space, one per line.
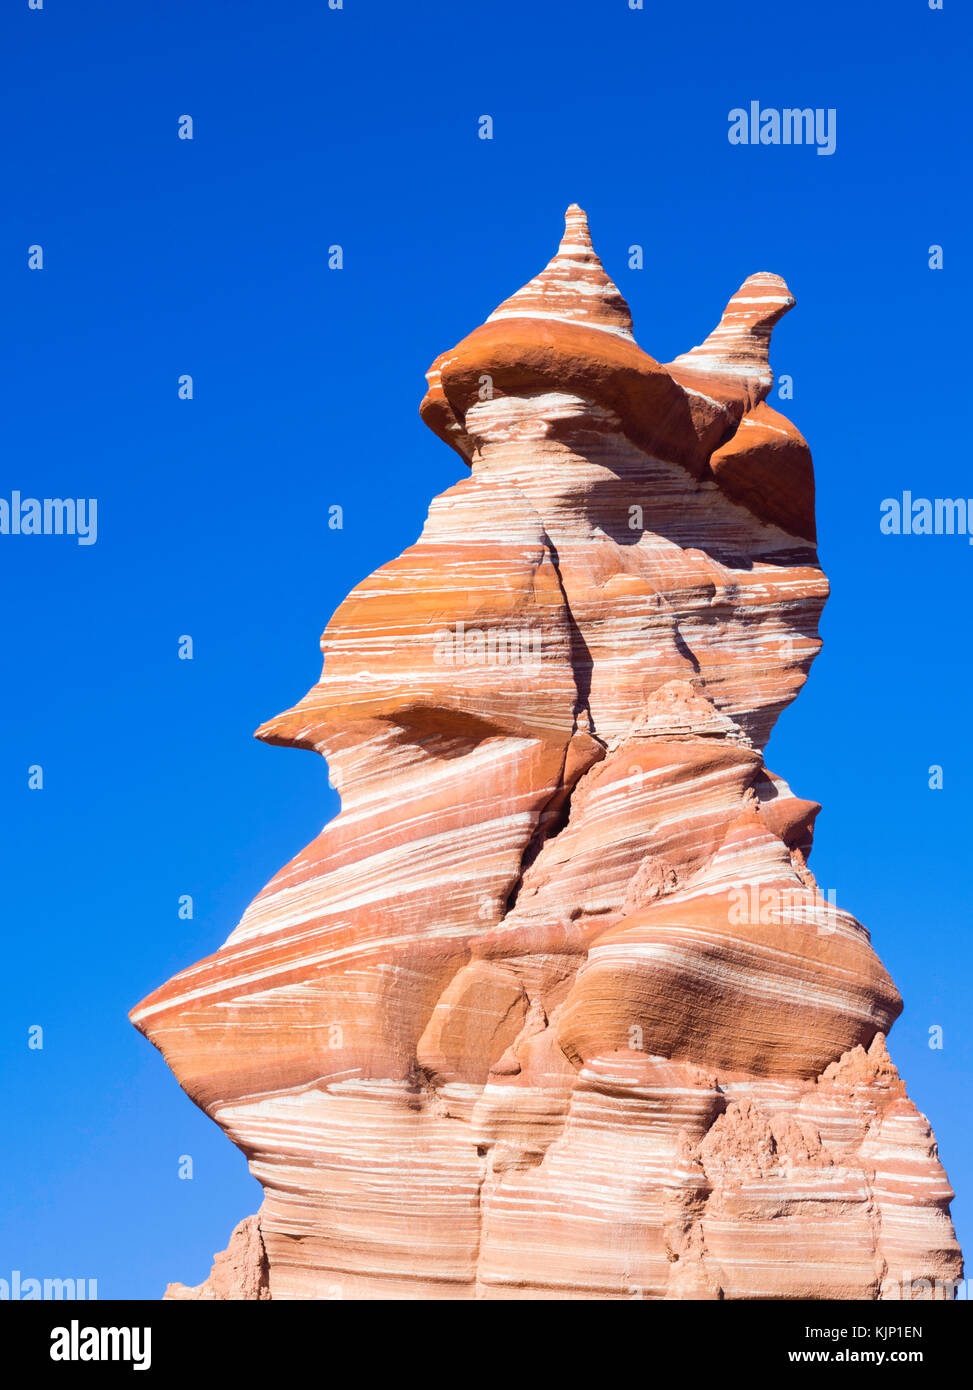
pixel 554 1007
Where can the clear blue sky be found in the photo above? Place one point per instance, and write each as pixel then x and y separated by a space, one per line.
pixel 209 257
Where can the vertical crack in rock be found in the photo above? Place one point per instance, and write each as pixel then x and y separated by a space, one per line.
pixel 554 1006
pixel 580 655
pixel 585 744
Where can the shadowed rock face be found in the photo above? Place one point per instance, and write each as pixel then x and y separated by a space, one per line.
pixel 554 1006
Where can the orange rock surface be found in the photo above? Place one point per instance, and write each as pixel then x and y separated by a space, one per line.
pixel 554 1008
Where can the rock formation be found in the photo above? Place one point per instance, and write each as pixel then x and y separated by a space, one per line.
pixel 554 1008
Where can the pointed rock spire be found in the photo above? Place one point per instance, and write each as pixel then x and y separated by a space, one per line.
pixel 573 287
pixel 739 347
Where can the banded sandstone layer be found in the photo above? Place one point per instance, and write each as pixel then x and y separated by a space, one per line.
pixel 554 1006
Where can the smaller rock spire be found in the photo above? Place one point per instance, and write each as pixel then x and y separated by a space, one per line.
pixel 573 287
pixel 739 347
